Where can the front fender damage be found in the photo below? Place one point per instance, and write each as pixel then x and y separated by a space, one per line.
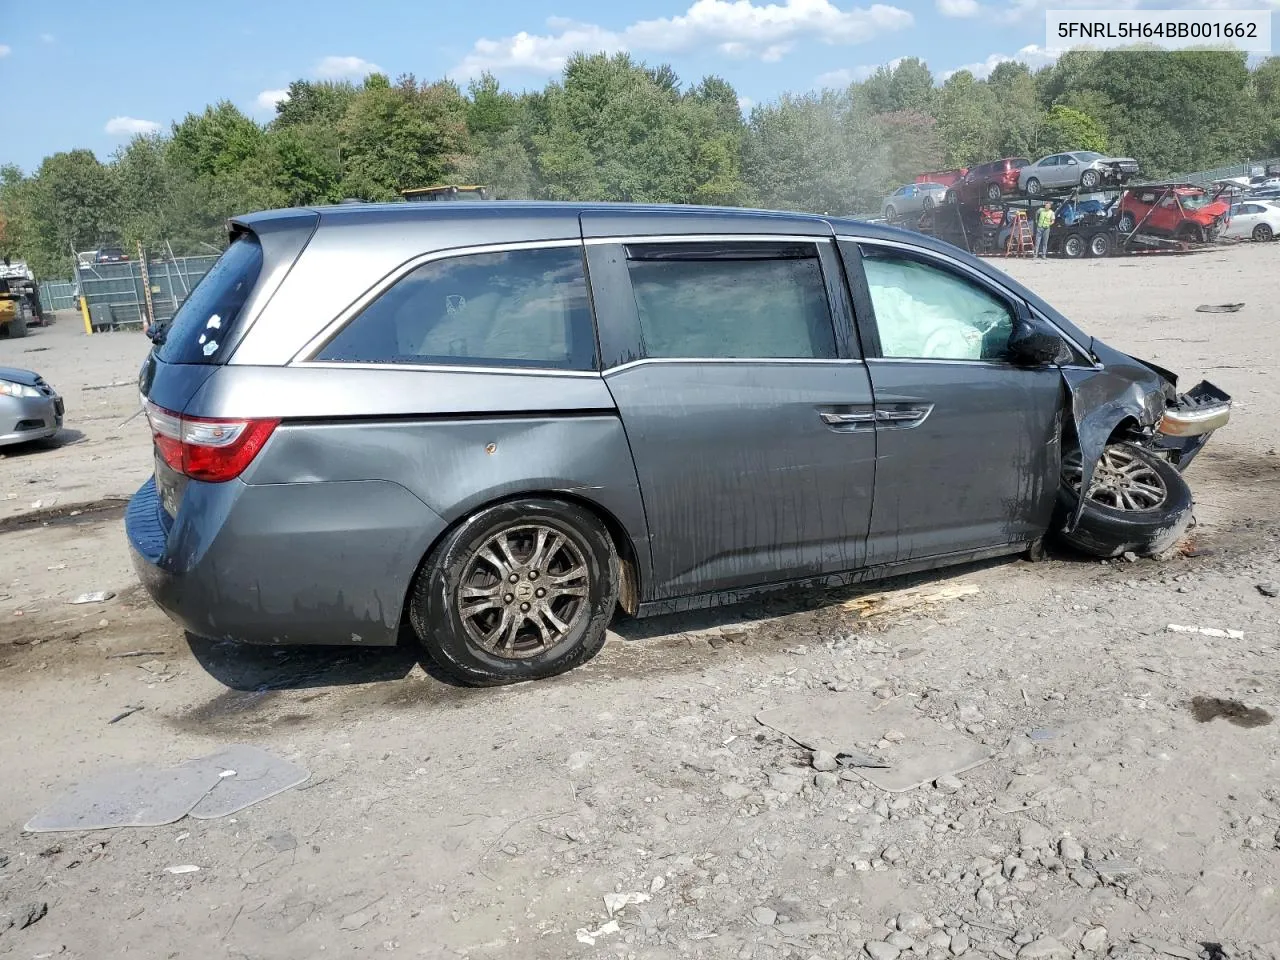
pixel 1101 400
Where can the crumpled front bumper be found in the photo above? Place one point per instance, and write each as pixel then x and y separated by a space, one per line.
pixel 1188 423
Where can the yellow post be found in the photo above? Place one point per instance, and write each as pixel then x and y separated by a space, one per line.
pixel 84 309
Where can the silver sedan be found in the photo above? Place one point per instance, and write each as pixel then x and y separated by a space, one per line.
pixel 911 199
pixel 1086 169
pixel 30 409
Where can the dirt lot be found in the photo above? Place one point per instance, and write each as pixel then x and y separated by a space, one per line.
pixel 447 822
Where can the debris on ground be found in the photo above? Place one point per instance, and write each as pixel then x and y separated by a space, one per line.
pixel 182 868
pixel 126 713
pixel 900 601
pixel 1269 588
pixel 1219 307
pixel 1207 631
pixel 849 724
pixel 101 596
pixel 589 937
pixel 150 797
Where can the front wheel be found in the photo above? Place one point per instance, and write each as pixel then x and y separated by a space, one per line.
pixel 1136 503
pixel 1127 223
pixel 519 591
pixel 927 204
pixel 1033 187
pixel 1073 246
pixel 994 192
pixel 891 213
pixel 1090 179
pixel 1262 233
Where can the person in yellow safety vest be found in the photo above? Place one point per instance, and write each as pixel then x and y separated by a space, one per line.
pixel 1044 221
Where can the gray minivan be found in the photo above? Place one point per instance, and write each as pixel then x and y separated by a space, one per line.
pixel 498 421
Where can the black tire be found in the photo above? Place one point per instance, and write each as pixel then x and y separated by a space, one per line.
pixel 994 192
pixel 18 327
pixel 1262 233
pixel 949 197
pixel 1106 531
pixel 927 204
pixel 1189 233
pixel 891 213
pixel 1126 223
pixel 1073 246
pixel 1100 245
pixel 439 623
pixel 1033 187
pixel 1090 179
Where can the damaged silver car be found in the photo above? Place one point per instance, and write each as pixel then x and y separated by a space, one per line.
pixel 499 422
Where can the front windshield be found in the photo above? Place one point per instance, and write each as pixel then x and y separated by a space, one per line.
pixel 1193 201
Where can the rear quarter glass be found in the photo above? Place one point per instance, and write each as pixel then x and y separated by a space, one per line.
pixel 208 317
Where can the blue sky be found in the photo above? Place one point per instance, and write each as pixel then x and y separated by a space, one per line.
pixel 82 74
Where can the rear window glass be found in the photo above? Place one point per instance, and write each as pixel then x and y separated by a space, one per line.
pixel 523 308
pixel 206 320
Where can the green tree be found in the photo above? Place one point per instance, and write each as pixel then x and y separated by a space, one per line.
pixel 968 114
pixel 219 141
pixel 402 135
pixel 1067 129
pixel 314 101
pixel 74 204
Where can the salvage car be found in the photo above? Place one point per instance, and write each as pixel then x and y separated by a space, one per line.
pixel 30 409
pixel 1257 220
pixel 1181 211
pixel 911 199
pixel 987 182
pixel 1086 169
pixel 499 422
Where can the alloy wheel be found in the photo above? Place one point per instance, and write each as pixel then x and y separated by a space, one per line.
pixel 524 591
pixel 1121 480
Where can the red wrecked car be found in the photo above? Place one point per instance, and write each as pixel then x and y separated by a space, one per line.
pixel 1182 211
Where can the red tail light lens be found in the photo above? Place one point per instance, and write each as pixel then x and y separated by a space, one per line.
pixel 205 448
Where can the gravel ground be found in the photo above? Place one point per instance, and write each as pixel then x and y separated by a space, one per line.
pixel 1114 819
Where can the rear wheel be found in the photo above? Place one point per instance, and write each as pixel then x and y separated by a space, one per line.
pixel 1262 233
pixel 1100 245
pixel 1033 187
pixel 927 204
pixel 1090 179
pixel 1136 502
pixel 1073 246
pixel 891 213
pixel 519 591
pixel 1127 222
pixel 994 192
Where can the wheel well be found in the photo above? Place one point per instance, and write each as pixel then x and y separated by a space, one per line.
pixel 629 585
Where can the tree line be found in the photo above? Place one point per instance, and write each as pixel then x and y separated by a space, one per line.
pixel 612 128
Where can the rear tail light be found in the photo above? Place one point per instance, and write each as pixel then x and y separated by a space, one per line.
pixel 207 448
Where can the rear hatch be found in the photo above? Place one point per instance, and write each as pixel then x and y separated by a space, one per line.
pixel 201 338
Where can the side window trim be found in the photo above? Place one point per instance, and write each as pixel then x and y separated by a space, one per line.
pixel 307 355
pixel 617 314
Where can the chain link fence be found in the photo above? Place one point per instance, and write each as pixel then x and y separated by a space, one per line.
pixel 116 294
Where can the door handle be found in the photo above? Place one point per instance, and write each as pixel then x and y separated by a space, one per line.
pixel 903 416
pixel 900 416
pixel 836 419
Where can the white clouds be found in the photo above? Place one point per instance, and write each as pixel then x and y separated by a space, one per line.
pixel 5 51
pixel 1033 55
pixel 130 126
pixel 734 28
pixel 343 68
pixel 958 8
pixel 268 99
pixel 839 79
pixel 745 104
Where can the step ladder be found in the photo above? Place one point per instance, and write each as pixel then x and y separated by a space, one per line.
pixel 1022 241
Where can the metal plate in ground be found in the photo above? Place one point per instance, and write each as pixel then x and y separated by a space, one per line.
pixel 856 724
pixel 142 797
pixel 258 776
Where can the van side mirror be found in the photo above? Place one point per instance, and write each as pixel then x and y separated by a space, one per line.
pixel 1033 345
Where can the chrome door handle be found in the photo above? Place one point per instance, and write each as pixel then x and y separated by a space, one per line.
pixel 835 419
pixel 900 416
